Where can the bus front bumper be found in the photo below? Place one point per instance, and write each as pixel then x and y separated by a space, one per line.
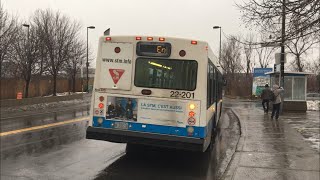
pixel 161 140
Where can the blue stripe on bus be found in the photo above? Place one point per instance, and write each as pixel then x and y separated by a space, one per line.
pixel 199 132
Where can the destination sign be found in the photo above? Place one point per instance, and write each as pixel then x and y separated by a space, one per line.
pixel 154 49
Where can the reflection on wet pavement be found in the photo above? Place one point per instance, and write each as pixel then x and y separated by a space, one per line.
pixel 62 153
pixel 307 124
pixel 157 163
pixel 270 149
pixel 162 164
pixel 41 119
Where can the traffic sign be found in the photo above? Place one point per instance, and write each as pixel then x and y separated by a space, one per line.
pixel 276 67
pixel 116 74
pixel 278 58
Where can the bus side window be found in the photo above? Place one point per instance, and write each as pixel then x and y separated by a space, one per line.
pixel 210 84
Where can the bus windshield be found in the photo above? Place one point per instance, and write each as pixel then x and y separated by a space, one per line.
pixel 166 73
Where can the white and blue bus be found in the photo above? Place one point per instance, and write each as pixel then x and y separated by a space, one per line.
pixel 156 91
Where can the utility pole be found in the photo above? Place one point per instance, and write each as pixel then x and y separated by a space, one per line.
pixel 283 33
pixel 26 93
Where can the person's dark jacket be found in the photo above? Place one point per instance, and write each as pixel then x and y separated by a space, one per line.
pixel 266 93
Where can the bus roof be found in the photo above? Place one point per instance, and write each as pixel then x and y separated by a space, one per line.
pixel 152 38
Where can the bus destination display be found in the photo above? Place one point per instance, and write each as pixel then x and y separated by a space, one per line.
pixel 155 49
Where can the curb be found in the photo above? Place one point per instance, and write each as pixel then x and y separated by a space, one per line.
pixel 229 172
pixel 243 131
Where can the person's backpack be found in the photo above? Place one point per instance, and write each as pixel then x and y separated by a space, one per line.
pixel 272 96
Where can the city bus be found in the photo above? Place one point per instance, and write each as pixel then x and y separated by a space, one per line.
pixel 156 91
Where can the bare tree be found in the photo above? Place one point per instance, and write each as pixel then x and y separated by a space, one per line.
pixel 26 54
pixel 231 56
pixel 57 32
pixel 75 61
pixel 298 47
pixel 248 52
pixel 314 80
pixel 266 15
pixel 264 56
pixel 43 62
pixel 7 37
pixel 264 53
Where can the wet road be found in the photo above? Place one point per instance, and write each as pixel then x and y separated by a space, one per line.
pixel 61 152
pixel 171 164
pixel 28 134
pixel 19 121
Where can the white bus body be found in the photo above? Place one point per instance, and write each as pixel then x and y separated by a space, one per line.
pixel 155 91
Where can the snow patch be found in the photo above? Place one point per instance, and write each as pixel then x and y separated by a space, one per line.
pixel 66 94
pixel 313 105
pixel 86 100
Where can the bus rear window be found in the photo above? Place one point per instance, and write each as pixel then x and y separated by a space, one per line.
pixel 166 74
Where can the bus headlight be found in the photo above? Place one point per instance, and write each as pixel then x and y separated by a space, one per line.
pixel 100 120
pixel 192 106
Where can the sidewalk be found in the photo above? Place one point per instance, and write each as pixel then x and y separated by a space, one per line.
pixel 269 149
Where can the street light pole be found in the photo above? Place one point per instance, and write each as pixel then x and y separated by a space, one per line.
pixel 27 26
pixel 216 27
pixel 26 93
pixel 87 64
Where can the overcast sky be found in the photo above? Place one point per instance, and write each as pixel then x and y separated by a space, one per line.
pixel 178 18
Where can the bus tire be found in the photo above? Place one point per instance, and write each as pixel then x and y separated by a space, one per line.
pixel 220 110
pixel 212 139
pixel 211 145
pixel 214 123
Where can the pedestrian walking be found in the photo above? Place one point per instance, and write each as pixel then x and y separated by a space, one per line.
pixel 276 101
pixel 266 97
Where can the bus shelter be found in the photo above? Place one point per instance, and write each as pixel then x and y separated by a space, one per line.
pixel 295 87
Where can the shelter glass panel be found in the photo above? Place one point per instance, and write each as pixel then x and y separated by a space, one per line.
pixel 287 88
pixel 299 88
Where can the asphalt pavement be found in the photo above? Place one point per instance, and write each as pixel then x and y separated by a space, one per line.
pixel 53 146
pixel 270 149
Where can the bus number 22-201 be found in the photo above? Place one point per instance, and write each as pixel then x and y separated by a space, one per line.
pixel 177 94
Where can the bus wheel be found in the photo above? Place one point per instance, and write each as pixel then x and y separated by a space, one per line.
pixel 220 111
pixel 212 141
pixel 213 136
